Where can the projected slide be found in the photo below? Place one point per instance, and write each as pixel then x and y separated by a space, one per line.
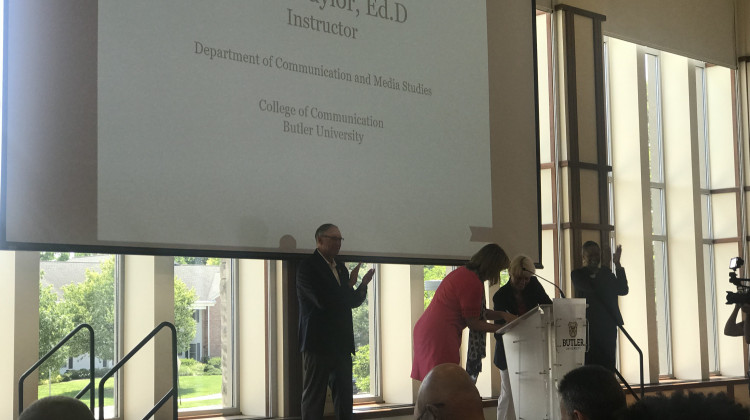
pixel 236 123
pixel 237 127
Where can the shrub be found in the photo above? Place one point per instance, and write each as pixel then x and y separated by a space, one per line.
pixel 210 370
pixel 74 374
pixel 214 362
pixel 189 362
pixel 191 367
pixel 185 371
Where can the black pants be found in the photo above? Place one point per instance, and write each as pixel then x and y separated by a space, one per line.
pixel 323 370
pixel 602 345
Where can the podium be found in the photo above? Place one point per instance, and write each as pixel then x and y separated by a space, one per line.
pixel 541 346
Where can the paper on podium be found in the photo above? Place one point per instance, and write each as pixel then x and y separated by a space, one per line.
pixel 516 322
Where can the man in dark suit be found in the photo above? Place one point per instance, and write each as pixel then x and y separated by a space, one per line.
pixel 326 293
pixel 601 288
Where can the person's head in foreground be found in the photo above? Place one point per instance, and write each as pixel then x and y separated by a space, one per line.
pixel 590 393
pixel 691 406
pixel 448 393
pixel 57 408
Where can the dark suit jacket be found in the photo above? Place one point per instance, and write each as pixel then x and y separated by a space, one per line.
pixel 325 308
pixel 601 292
pixel 533 294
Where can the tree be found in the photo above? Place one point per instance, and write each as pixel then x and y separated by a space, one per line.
pixel 361 323
pixel 190 260
pixel 361 314
pixel 361 326
pixel 361 368
pixel 54 324
pixel 428 295
pixel 184 322
pixel 432 272
pixel 55 256
pixel 93 302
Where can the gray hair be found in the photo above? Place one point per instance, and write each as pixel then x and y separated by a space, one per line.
pixel 323 229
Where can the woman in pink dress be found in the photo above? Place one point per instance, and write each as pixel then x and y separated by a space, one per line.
pixel 459 303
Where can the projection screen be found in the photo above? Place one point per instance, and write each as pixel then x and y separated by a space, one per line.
pixel 234 127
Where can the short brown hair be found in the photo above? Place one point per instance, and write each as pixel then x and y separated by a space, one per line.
pixel 488 262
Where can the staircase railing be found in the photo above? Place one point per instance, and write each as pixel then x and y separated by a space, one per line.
pixel 91 386
pixel 171 393
pixel 614 319
pixel 640 355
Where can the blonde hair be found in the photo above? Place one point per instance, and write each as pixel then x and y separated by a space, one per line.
pixel 520 264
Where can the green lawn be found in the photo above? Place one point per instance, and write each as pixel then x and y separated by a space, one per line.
pixel 189 387
pixel 71 388
pixel 198 386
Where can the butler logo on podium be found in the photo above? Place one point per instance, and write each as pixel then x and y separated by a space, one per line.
pixel 573 329
pixel 573 342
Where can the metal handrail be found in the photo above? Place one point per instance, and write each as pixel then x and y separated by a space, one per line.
pixel 91 386
pixel 638 349
pixel 640 355
pixel 171 393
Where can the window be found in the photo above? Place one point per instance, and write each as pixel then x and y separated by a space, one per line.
pixel 73 289
pixel 433 275
pixel 658 211
pixel 365 370
pixel 707 227
pixel 204 318
pixel 610 177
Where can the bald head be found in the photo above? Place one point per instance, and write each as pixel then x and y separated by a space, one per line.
pixel 58 408
pixel 446 393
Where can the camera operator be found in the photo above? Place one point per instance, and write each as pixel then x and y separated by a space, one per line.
pixel 738 329
pixel 741 301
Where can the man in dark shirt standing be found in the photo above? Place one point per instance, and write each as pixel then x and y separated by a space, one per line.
pixel 601 288
pixel 326 294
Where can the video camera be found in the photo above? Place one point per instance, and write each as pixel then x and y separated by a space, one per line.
pixel 742 295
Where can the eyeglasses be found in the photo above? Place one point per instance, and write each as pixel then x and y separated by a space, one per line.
pixel 334 238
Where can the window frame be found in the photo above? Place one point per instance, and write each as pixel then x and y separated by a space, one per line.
pixel 652 73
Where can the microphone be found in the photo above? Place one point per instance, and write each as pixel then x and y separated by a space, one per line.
pixel 562 294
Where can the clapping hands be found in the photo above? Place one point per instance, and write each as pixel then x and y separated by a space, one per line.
pixel 616 256
pixel 366 279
